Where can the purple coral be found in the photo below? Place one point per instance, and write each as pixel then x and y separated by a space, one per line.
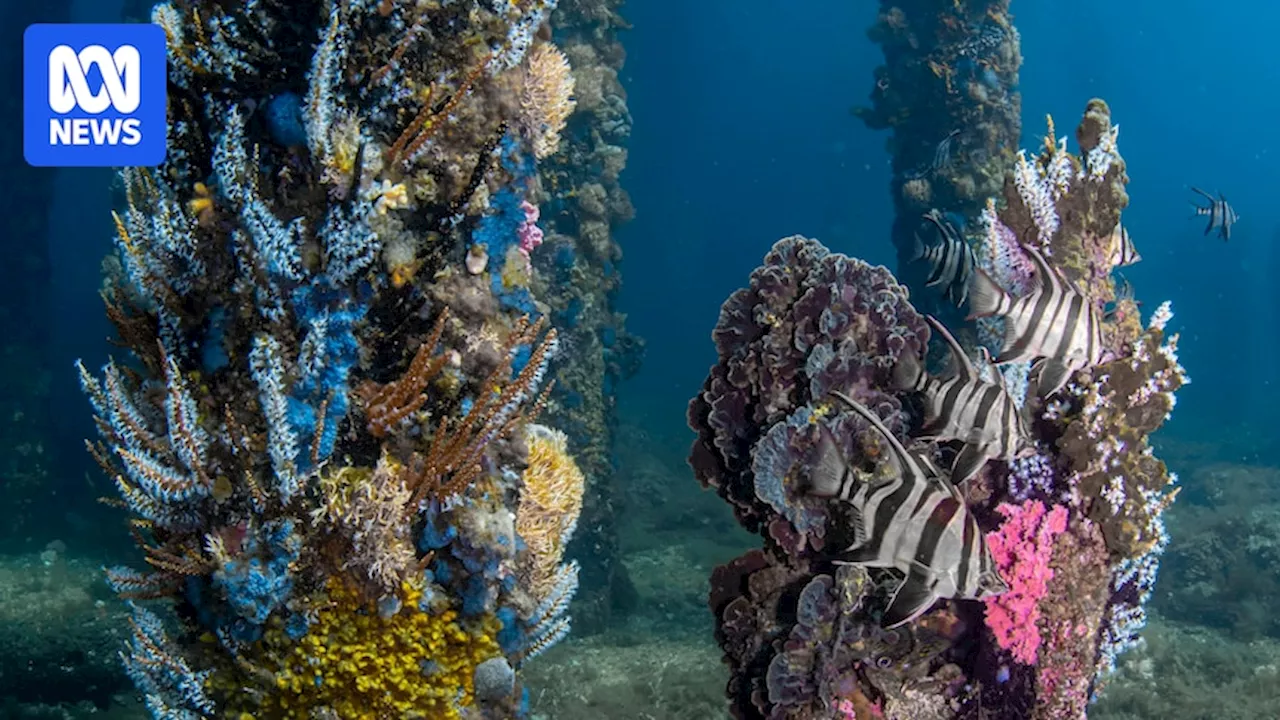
pixel 809 322
pixel 529 233
pixel 1031 477
pixel 1003 257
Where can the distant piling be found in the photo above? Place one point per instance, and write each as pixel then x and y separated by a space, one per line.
pixel 948 92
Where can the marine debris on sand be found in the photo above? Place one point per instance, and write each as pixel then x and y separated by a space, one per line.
pixel 811 623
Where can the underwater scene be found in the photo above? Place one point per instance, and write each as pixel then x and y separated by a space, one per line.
pixel 592 360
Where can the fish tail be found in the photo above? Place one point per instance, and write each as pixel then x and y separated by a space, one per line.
pixel 827 477
pixel 908 374
pixel 917 247
pixel 986 298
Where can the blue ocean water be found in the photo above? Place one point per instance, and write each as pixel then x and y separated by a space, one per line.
pixel 743 134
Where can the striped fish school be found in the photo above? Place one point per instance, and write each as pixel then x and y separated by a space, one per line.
pixel 1222 217
pixel 1054 324
pixel 915 522
pixel 965 407
pixel 951 259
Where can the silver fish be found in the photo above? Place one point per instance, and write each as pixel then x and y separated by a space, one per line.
pixel 967 408
pixel 915 522
pixel 1222 217
pixel 1054 324
pixel 1122 253
pixel 951 260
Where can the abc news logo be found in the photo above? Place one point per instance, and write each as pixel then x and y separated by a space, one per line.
pixel 94 95
pixel 69 89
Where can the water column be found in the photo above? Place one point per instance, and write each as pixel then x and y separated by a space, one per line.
pixel 948 94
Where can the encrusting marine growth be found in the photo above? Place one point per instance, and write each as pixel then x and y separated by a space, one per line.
pixel 325 438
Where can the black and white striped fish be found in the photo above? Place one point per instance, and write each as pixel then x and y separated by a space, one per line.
pixel 1220 213
pixel 1122 252
pixel 951 259
pixel 965 407
pixel 1053 324
pixel 942 153
pixel 914 522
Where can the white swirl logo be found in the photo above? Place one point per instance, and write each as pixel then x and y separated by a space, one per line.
pixel 69 86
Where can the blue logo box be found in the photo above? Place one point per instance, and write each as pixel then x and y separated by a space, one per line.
pixel 94 95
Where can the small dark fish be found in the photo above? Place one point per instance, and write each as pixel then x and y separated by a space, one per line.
pixel 951 260
pixel 1122 253
pixel 915 522
pixel 967 408
pixel 1222 217
pixel 942 153
pixel 1054 324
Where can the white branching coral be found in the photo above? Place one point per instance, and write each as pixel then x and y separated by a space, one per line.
pixel 1061 172
pixel 1161 316
pixel 546 98
pixel 1100 159
pixel 1037 194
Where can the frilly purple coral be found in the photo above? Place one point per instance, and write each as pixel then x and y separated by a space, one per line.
pixel 809 322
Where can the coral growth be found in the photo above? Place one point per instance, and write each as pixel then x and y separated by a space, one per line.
pixel 948 93
pixel 325 438
pixel 1073 525
pixel 1022 547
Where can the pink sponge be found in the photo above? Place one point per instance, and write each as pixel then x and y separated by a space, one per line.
pixel 529 232
pixel 1021 548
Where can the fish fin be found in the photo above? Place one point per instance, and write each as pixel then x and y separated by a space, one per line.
pixel 1010 338
pixel 826 479
pixel 1209 228
pixel 986 298
pixel 912 598
pixel 859 527
pixel 958 294
pixel 864 555
pixel 930 429
pixel 1198 190
pixel 964 367
pixel 1053 375
pixel 899 451
pixel 917 248
pixel 968 462
pixel 908 374
pixel 996 376
pixel 951 488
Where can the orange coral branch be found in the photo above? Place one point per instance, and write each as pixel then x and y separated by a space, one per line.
pixel 452 462
pixel 386 406
pixel 426 122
